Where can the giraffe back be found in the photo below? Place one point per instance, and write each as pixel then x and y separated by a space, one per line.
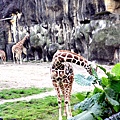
pixel 67 56
pixel 62 73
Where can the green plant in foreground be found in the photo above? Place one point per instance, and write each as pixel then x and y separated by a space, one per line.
pixel 102 102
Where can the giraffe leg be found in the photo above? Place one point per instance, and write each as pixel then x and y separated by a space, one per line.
pixel 17 57
pixel 70 89
pixel 63 92
pixel 3 60
pixel 20 58
pixel 66 100
pixel 56 86
pixel 14 57
pixel 67 90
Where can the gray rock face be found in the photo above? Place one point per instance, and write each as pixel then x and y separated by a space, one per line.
pixel 61 22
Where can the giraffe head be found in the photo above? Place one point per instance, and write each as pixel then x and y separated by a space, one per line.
pixel 27 35
pixel 92 66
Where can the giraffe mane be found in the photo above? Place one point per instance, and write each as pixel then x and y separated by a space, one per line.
pixel 67 56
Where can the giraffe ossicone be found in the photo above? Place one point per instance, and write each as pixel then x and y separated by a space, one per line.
pixel 62 76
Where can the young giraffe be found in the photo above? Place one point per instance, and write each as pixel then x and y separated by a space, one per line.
pixel 3 56
pixel 62 76
pixel 18 48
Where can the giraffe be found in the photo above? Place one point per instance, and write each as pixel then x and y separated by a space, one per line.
pixel 62 76
pixel 3 56
pixel 18 48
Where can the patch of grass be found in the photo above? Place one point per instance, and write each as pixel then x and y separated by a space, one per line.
pixel 23 92
pixel 36 109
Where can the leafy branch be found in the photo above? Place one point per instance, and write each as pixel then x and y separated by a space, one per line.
pixel 102 102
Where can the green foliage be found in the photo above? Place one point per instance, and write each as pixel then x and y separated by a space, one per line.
pixel 83 81
pixel 87 103
pixel 97 90
pixel 116 70
pixel 88 114
pixel 104 100
pixel 80 96
pixel 112 101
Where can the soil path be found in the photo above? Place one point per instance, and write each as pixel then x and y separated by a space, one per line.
pixel 35 75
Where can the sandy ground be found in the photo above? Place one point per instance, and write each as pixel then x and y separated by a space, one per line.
pixel 34 75
pixel 25 75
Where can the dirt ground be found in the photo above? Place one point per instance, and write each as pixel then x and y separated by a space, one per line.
pixel 35 75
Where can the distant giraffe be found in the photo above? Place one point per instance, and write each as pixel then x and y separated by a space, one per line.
pixel 62 76
pixel 3 56
pixel 18 48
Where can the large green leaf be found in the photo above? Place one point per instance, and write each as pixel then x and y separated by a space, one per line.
pixel 117 108
pixel 97 90
pixel 112 101
pixel 83 81
pixel 110 92
pixel 115 85
pixel 102 68
pixel 87 103
pixel 115 78
pixel 87 115
pixel 116 69
pixel 102 97
pixel 105 81
pixel 80 96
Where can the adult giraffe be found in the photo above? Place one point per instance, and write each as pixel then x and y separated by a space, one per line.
pixel 62 76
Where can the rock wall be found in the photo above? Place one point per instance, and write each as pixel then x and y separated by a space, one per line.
pixel 72 24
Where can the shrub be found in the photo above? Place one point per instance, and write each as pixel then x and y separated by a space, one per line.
pixel 102 102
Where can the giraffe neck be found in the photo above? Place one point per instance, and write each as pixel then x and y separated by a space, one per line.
pixel 67 56
pixel 21 42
